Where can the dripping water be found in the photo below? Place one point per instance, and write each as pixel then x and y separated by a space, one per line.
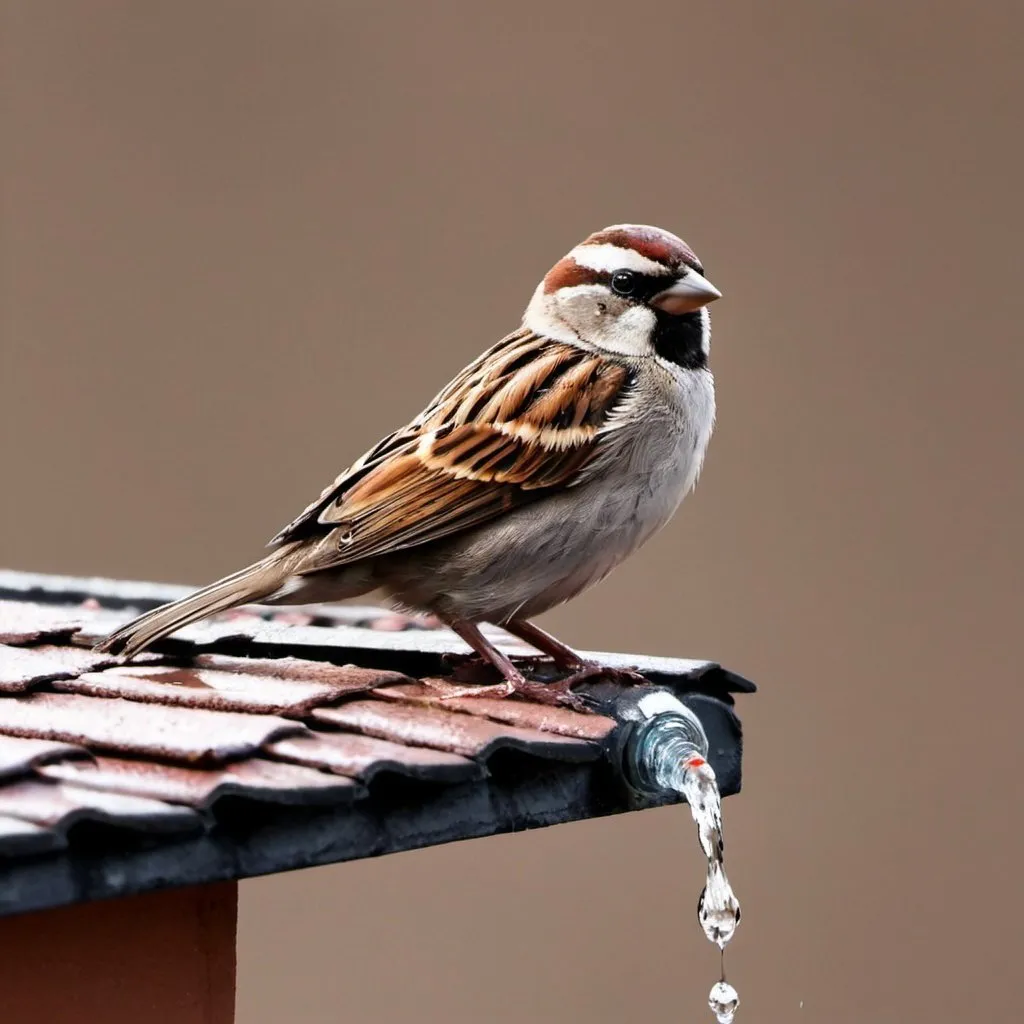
pixel 718 910
pixel 666 750
pixel 674 753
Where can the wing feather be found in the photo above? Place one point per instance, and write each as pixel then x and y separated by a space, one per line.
pixel 527 416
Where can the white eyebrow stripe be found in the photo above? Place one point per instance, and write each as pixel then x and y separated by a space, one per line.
pixel 607 257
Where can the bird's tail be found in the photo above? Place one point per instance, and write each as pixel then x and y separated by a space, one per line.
pixel 250 584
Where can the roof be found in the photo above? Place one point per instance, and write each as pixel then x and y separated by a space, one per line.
pixel 263 741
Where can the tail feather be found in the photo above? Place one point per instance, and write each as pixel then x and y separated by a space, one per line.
pixel 250 584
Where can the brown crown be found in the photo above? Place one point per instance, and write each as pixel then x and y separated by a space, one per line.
pixel 656 244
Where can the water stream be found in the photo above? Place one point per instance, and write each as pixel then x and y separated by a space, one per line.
pixel 666 750
pixel 718 910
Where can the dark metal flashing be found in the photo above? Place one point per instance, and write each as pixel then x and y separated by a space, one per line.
pixel 387 798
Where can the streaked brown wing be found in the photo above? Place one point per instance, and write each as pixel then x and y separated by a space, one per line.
pixel 523 418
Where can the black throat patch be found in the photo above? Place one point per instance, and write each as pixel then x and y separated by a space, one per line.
pixel 678 339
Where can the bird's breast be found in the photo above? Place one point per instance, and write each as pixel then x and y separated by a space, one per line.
pixel 658 451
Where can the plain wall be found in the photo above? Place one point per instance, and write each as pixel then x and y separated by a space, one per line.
pixel 241 241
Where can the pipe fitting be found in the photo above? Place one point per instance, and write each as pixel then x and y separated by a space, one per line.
pixel 658 739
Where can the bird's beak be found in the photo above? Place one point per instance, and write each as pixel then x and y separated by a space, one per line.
pixel 689 293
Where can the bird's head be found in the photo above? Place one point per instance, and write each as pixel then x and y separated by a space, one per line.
pixel 630 289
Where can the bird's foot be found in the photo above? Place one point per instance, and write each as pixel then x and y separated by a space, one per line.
pixel 471 668
pixel 556 694
pixel 559 692
pixel 589 671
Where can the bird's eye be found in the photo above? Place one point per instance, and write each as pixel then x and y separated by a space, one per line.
pixel 623 282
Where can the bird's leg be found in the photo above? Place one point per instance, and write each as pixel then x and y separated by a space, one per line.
pixel 565 658
pixel 512 676
pixel 515 681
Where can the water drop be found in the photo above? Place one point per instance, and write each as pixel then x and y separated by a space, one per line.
pixel 723 1001
pixel 718 910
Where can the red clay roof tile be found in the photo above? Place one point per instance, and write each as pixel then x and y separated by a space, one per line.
pixel 253 779
pixel 21 668
pixel 363 757
pixel 22 622
pixel 450 730
pixel 60 805
pixel 294 695
pixel 183 735
pixel 19 755
pixel 526 714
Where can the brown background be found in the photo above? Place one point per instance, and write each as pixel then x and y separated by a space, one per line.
pixel 242 240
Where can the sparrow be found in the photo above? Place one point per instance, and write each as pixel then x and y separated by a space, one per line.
pixel 541 466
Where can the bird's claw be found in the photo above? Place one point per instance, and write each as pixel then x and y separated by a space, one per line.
pixel 556 694
pixel 589 672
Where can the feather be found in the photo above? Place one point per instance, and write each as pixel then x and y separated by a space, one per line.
pixel 524 417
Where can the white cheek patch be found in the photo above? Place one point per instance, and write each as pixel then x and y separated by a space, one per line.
pixel 590 314
pixel 610 258
pixel 540 317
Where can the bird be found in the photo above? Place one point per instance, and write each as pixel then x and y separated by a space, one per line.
pixel 546 462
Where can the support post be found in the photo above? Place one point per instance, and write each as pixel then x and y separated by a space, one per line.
pixel 162 958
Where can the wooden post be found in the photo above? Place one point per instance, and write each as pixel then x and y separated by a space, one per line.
pixel 162 958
